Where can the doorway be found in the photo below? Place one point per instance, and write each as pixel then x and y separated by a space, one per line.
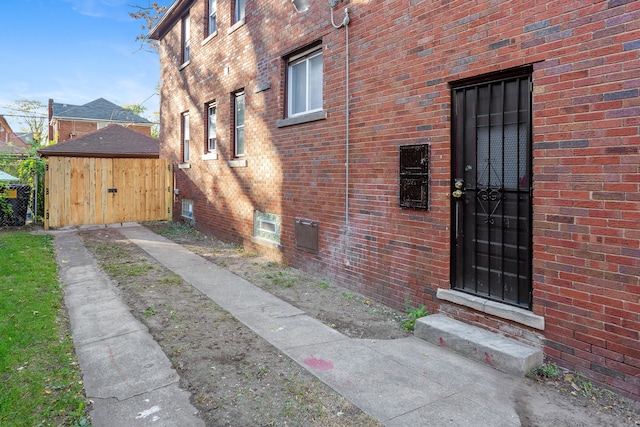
pixel 491 188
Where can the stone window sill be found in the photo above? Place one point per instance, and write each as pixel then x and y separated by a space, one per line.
pixel 303 118
pixel 209 38
pixel 264 242
pixel 237 163
pixel 503 311
pixel 236 26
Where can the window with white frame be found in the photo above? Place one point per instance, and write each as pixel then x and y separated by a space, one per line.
pixel 187 208
pixel 213 10
pixel 186 39
pixel 211 127
pixel 304 89
pixel 238 10
pixel 185 137
pixel 238 142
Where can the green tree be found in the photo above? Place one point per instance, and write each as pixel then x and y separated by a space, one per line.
pixel 155 129
pixel 32 116
pixel 139 109
pixel 136 109
pixel 31 171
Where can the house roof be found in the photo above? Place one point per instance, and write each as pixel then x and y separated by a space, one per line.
pixel 110 142
pixel 177 9
pixel 98 110
pixel 5 177
pixel 13 148
pixel 10 142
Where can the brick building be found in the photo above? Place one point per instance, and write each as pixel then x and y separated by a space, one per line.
pixel 68 121
pixel 10 142
pixel 479 157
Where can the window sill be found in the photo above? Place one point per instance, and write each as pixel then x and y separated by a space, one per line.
pixel 210 156
pixel 262 87
pixel 209 37
pixel 303 118
pixel 184 65
pixel 237 25
pixel 184 165
pixel 237 163
pixel 264 242
pixel 503 311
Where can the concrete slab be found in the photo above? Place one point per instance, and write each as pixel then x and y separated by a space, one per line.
pixel 289 332
pixel 124 370
pixel 499 352
pixel 455 410
pixel 167 407
pixel 83 293
pixel 474 380
pixel 79 274
pixel 106 319
pixel 124 366
pixel 368 378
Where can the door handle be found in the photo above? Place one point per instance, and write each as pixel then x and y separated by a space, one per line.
pixel 458 184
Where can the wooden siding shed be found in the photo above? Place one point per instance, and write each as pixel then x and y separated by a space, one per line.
pixel 112 175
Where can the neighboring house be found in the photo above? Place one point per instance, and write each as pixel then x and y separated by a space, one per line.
pixel 10 142
pixel 68 121
pixel 481 158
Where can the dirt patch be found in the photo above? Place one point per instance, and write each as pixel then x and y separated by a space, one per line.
pixel 237 378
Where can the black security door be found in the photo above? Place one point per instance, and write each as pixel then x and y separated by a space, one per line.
pixel 491 189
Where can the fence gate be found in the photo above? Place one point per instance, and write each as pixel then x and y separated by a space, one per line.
pixel 92 191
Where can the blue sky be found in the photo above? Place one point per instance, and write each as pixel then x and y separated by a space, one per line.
pixel 75 51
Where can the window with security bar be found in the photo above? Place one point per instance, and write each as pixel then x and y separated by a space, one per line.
pixel 414 176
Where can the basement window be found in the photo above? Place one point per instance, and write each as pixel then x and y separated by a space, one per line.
pixel 266 226
pixel 187 208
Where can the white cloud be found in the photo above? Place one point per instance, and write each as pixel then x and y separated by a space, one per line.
pixel 111 9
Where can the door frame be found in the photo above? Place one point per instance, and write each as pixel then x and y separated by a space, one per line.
pixel 456 266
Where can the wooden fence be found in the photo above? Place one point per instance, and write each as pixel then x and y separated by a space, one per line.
pixel 90 191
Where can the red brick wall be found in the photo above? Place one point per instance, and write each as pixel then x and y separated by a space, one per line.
pixel 72 129
pixel 402 57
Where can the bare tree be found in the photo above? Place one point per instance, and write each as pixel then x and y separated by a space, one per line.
pixel 150 15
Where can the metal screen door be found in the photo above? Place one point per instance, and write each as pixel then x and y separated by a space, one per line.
pixel 491 189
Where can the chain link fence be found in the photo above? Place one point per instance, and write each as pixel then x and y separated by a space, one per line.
pixel 20 200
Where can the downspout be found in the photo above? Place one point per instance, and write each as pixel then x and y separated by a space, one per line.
pixel 345 24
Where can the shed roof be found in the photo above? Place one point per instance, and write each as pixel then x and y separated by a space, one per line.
pixel 110 142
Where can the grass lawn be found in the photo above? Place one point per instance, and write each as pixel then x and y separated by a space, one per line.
pixel 40 382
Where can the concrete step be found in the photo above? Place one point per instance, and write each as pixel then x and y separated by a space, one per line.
pixel 502 353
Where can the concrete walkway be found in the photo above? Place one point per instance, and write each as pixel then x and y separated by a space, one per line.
pixel 125 373
pixel 403 382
